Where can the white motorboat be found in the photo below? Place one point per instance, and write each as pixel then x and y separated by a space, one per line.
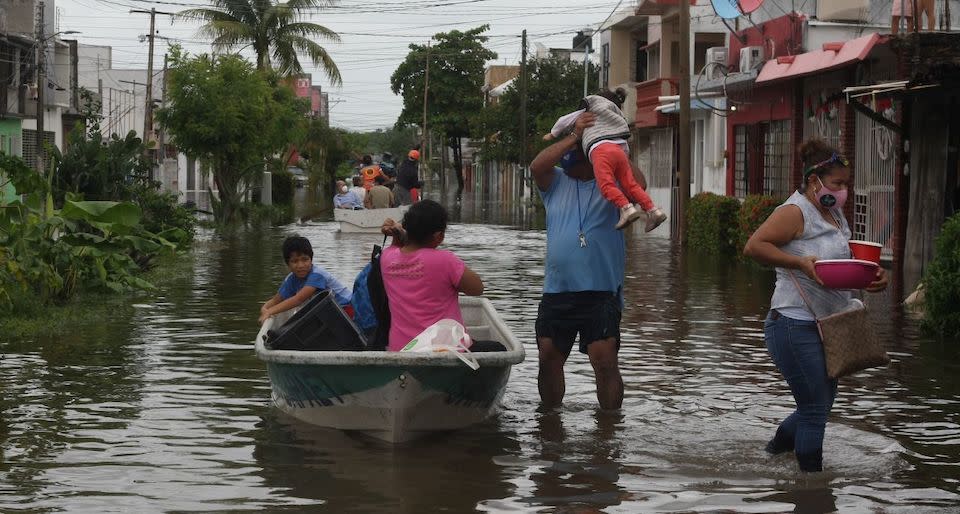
pixel 366 221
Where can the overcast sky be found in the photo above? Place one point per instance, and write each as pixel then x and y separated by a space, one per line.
pixel 374 33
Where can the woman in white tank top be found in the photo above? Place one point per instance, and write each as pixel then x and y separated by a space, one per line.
pixel 808 226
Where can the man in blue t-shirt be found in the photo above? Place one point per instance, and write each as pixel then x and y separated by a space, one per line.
pixel 583 279
pixel 304 280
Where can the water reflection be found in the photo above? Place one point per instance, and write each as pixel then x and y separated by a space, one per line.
pixel 352 473
pixel 164 407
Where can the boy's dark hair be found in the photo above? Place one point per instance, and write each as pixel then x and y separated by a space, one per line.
pixel 617 97
pixel 357 181
pixel 296 244
pixel 367 160
pixel 424 219
pixel 380 180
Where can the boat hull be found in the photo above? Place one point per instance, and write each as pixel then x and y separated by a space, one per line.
pixel 391 403
pixel 366 221
pixel 394 396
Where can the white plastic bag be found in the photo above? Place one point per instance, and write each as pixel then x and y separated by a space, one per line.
pixel 446 335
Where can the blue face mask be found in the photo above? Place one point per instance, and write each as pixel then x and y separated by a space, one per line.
pixel 569 159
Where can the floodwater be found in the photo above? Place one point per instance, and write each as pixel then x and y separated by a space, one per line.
pixel 165 408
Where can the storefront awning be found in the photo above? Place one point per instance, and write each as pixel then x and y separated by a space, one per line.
pixel 830 57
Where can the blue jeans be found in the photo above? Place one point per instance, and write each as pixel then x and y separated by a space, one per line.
pixel 797 351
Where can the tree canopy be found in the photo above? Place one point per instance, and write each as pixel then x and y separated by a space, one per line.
pixel 454 99
pixel 554 88
pixel 275 31
pixel 230 115
pixel 457 61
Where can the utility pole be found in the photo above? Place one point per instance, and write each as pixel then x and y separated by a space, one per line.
pixel 163 103
pixel 523 108
pixel 424 137
pixel 587 46
pixel 148 108
pixel 683 167
pixel 41 87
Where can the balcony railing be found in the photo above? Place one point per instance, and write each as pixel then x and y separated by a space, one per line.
pixel 648 94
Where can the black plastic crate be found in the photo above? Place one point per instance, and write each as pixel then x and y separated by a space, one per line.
pixel 319 325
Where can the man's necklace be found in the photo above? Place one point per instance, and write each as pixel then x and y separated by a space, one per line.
pixel 581 236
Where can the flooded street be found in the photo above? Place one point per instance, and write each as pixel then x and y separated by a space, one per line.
pixel 166 408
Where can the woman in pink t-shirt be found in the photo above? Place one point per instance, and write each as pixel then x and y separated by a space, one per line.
pixel 422 283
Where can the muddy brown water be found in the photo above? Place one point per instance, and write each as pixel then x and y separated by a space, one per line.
pixel 165 408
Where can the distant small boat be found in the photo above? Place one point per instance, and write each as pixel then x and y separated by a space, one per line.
pixel 394 396
pixel 366 221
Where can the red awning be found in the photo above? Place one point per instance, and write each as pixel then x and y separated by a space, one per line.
pixel 832 56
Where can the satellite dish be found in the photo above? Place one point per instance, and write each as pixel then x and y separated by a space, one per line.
pixel 748 6
pixel 727 9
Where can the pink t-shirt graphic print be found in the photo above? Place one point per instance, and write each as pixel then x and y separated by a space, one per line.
pixel 422 290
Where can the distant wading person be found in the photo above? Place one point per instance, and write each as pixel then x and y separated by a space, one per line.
pixel 809 226
pixel 584 269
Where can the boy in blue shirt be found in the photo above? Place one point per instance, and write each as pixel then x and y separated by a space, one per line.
pixel 304 280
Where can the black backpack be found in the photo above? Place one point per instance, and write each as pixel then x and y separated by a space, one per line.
pixel 378 299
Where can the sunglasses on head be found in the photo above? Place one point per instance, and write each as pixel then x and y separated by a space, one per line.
pixel 835 158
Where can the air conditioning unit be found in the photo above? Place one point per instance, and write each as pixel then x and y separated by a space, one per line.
pixel 718 55
pixel 751 58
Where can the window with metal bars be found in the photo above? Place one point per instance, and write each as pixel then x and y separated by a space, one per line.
pixel 776 158
pixel 661 158
pixel 873 209
pixel 31 147
pixel 740 176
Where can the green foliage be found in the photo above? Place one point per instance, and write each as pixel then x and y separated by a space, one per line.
pixel 23 178
pixel 282 187
pixel 99 168
pixel 50 256
pixel 326 150
pixel 232 116
pixel 712 224
pixel 942 284
pixel 753 212
pixel 273 30
pixel 397 140
pixel 164 215
pixel 344 171
pixel 554 88
pixel 276 215
pixel 457 61
pixel 454 99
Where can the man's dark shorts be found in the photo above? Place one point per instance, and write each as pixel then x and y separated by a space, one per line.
pixel 595 315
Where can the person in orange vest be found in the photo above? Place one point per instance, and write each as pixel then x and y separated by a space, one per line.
pixel 369 172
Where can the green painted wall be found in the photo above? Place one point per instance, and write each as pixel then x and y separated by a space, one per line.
pixel 10 131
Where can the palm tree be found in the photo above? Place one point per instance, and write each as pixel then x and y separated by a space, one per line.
pixel 274 30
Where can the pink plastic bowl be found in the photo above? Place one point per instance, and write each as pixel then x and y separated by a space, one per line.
pixel 846 273
pixel 866 250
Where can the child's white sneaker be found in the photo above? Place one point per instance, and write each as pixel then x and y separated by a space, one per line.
pixel 628 214
pixel 654 218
